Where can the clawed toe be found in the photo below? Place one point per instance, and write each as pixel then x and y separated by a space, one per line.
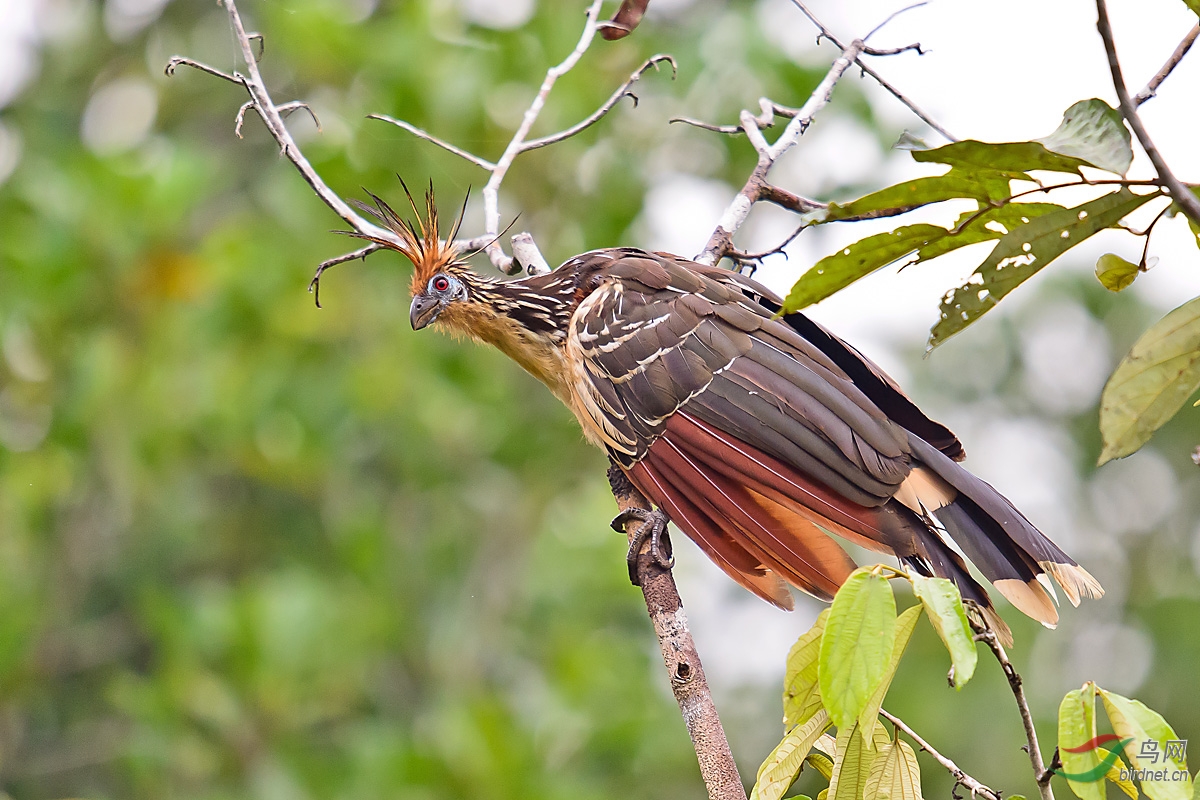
pixel 653 527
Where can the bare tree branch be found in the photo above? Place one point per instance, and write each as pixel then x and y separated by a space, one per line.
pixel 1182 196
pixel 1151 88
pixel 680 658
pixel 532 260
pixel 721 240
pixel 826 34
pixel 961 778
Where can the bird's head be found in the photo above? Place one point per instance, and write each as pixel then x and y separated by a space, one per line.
pixel 441 278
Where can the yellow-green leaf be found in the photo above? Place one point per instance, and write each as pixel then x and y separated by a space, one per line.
pixel 1077 727
pixel 852 766
pixel 778 772
pixel 801 695
pixel 905 624
pixel 857 645
pixel 895 775
pixel 1115 272
pixel 1133 720
pixel 1152 382
pixel 944 604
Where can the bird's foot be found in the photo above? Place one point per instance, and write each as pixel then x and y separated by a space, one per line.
pixel 654 528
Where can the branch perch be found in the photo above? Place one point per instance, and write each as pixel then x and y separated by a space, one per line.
pixel 1040 773
pixel 682 662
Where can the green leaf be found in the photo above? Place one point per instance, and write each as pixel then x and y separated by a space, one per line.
pixel 1132 719
pixel 1077 727
pixel 801 695
pixel 852 766
pixel 1115 272
pixel 1194 5
pixel 906 623
pixel 857 645
pixel 974 227
pixel 895 774
pixel 1113 776
pixel 1023 251
pixel 1152 381
pixel 1094 132
pixel 839 270
pixel 944 603
pixel 985 185
pixel 778 772
pixel 821 763
pixel 1011 159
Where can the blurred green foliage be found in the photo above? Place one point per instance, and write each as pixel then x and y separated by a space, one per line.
pixel 249 548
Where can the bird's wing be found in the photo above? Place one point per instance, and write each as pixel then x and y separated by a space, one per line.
pixel 760 436
pixel 747 434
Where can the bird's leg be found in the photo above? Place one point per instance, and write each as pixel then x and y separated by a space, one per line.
pixel 654 528
pixel 653 524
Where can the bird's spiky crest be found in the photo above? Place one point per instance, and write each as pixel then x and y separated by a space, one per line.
pixel 420 241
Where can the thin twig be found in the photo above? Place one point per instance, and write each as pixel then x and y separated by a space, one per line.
pixel 891 17
pixel 314 285
pixel 680 658
pixel 1182 196
pixel 1041 775
pixel 913 107
pixel 1151 88
pixel 482 163
pixel 189 62
pixel 623 91
pixel 961 778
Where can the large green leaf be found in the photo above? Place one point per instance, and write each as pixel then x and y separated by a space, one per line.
pixel 895 774
pixel 857 645
pixel 1152 381
pixel 1094 132
pixel 1012 159
pixel 1023 251
pixel 1133 720
pixel 839 270
pixel 983 185
pixel 944 604
pixel 906 623
pixel 801 695
pixel 778 772
pixel 1076 728
pixel 974 227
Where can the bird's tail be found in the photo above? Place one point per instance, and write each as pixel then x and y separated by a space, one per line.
pixel 1010 552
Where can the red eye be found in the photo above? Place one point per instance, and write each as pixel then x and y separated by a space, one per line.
pixel 441 283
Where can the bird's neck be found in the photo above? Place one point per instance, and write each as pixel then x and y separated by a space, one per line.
pixel 527 320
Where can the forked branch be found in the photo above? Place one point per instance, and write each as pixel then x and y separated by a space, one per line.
pixel 757 187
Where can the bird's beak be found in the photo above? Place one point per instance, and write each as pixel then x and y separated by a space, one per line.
pixel 424 310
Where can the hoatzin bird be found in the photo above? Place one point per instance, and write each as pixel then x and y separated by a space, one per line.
pixel 758 435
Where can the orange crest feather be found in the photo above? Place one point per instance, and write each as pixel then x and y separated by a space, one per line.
pixel 420 242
